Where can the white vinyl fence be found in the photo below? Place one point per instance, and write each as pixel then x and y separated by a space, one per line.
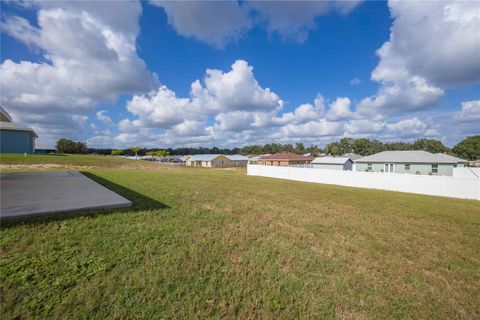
pixel 466 188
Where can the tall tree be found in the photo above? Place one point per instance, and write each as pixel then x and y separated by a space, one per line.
pixel 346 145
pixel 299 148
pixel 468 149
pixel 430 145
pixel 162 153
pixel 69 146
pixel 360 146
pixel 334 149
pixel 136 150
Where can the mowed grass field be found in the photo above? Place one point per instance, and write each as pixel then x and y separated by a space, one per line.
pixel 208 243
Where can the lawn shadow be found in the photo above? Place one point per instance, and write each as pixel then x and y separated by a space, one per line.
pixel 139 201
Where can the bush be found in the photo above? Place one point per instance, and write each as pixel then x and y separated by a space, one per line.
pixel 117 152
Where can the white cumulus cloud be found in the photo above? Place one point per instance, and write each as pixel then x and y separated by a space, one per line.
pixel 432 44
pixel 340 109
pixel 221 22
pixel 213 22
pixel 89 56
pixel 102 116
pixel 470 112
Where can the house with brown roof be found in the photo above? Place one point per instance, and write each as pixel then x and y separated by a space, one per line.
pixel 284 159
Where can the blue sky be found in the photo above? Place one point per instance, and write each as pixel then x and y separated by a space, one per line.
pixel 117 74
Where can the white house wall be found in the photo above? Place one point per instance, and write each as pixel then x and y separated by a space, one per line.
pixel 328 166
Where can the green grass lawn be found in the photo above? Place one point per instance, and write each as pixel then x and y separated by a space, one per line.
pixel 206 243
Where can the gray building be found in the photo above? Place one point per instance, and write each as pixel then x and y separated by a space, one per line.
pixel 333 163
pixel 41 148
pixel 410 162
pixel 15 138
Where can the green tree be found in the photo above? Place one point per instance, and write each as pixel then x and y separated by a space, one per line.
pixel 334 149
pixel 346 145
pixel 360 146
pixel 162 153
pixel 430 145
pixel 117 152
pixel 468 149
pixel 314 151
pixel 69 146
pixel 299 148
pixel 151 154
pixel 136 150
pixel 397 146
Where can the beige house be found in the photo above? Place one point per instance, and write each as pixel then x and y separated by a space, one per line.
pixel 209 161
pixel 238 160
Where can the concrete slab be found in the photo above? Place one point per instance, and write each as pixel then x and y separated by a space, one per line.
pixel 38 193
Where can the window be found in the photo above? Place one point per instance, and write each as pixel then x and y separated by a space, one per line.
pixel 435 168
pixel 407 166
pixel 455 165
pixel 369 166
pixel 271 163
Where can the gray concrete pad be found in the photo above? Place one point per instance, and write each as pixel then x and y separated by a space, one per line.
pixel 38 193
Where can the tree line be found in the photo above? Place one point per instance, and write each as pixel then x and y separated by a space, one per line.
pixel 468 149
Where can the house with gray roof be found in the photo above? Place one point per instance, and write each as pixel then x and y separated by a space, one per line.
pixel 14 137
pixel 352 156
pixel 333 163
pixel 41 148
pixel 410 162
pixel 238 160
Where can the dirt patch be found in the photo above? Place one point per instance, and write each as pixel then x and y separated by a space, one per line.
pixel 53 166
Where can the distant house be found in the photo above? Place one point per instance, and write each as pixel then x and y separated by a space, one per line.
pixel 183 159
pixel 238 160
pixel 15 138
pixel 44 149
pixel 208 161
pixel 411 162
pixel 253 158
pixel 333 163
pixel 284 159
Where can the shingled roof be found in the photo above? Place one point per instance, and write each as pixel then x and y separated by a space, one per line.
pixel 286 156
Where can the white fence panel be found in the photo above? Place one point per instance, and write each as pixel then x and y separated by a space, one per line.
pixel 466 188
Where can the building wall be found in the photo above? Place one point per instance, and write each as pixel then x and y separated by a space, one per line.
pixel 222 162
pixel 376 167
pixel 348 165
pixel 239 163
pixel 328 166
pixel 444 169
pixel 13 141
